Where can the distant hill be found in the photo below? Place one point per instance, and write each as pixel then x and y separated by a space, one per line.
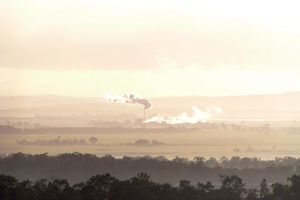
pixel 43 101
pixel 276 106
pixel 273 106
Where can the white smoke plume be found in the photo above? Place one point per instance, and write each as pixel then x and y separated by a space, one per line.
pixel 197 116
pixel 127 99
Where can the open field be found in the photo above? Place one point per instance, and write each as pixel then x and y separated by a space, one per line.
pixel 214 143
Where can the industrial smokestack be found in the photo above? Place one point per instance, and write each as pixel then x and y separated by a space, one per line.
pixel 129 99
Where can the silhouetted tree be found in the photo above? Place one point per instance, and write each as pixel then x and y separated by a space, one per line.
pixel 141 187
pixel 7 187
pixel 77 167
pixel 199 161
pixel 264 189
pixel 204 191
pixel 232 188
pixel 24 191
pixel 93 140
pixel 281 192
pixel 295 186
pixel 252 194
pixel 98 187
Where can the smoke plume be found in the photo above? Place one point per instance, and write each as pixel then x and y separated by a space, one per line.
pixel 127 99
pixel 196 117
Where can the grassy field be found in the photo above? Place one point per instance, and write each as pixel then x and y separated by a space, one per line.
pixel 277 143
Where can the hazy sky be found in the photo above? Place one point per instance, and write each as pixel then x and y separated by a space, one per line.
pixel 153 48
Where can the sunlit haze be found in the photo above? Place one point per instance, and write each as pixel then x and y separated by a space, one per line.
pixel 153 48
pixel 152 100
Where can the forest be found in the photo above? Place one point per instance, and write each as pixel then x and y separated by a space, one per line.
pixel 77 167
pixel 107 187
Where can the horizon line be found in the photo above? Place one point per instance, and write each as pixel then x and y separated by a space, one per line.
pixel 175 96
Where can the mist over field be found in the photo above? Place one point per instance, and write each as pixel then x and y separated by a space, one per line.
pixel 243 127
pixel 161 99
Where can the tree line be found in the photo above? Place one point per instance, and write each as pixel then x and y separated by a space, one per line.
pixel 141 187
pixel 78 167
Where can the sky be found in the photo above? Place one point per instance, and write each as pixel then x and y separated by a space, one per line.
pixel 152 48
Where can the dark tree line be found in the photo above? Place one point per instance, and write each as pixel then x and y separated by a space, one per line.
pixel 141 187
pixel 78 167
